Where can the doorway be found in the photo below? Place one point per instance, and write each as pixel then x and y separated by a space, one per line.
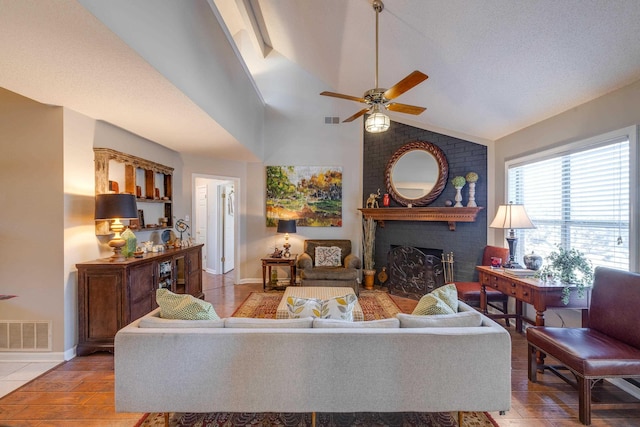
pixel 214 207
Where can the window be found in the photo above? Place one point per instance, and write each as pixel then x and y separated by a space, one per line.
pixel 578 198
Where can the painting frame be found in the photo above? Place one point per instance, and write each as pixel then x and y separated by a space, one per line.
pixel 312 195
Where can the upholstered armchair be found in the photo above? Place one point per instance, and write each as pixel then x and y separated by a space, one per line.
pixel 329 263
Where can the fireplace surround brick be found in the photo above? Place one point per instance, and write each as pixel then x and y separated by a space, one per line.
pixel 463 156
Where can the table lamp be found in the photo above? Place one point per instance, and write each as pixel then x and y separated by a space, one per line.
pixel 114 207
pixel 286 226
pixel 512 217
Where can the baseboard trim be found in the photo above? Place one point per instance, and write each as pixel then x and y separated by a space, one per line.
pixel 249 281
pixel 23 356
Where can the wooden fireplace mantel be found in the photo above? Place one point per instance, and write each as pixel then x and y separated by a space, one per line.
pixel 449 215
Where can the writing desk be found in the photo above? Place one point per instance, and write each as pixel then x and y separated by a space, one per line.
pixel 532 291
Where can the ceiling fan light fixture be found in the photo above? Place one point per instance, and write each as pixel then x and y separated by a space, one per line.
pixel 377 122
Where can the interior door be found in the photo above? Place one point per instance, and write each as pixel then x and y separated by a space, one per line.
pixel 201 219
pixel 228 226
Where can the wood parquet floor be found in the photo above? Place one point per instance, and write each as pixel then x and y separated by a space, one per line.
pixel 80 392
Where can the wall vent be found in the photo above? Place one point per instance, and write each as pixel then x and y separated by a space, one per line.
pixel 332 120
pixel 25 335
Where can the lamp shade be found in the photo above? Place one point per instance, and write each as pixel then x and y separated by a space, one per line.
pixel 511 216
pixel 377 122
pixel 286 226
pixel 112 206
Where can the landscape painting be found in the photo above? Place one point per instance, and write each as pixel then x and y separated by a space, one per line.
pixel 312 195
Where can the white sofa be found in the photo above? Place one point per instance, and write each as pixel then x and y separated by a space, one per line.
pixel 223 369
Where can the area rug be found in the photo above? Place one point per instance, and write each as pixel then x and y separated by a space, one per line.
pixel 359 419
pixel 375 305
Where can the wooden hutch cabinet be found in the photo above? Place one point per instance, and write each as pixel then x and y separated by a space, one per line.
pixel 113 294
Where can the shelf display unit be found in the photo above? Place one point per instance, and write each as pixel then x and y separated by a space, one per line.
pixel 151 183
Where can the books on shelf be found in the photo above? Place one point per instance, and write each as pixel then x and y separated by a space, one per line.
pixel 519 272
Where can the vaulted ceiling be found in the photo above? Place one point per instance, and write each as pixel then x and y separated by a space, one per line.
pixel 494 66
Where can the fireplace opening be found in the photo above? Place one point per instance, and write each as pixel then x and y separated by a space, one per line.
pixel 414 272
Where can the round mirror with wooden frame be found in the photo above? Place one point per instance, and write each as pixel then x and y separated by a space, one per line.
pixel 416 174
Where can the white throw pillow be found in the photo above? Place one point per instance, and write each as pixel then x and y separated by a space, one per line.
pixel 248 322
pixel 333 308
pixel 461 319
pixel 335 324
pixel 328 256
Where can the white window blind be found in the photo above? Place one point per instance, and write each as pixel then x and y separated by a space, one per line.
pixel 578 200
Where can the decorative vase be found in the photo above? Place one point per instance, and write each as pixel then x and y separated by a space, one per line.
pixel 458 198
pixel 382 275
pixel 130 243
pixel 472 195
pixel 369 276
pixel 532 261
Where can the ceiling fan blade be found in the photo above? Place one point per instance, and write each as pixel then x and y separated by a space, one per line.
pixel 404 108
pixel 339 95
pixel 356 115
pixel 413 79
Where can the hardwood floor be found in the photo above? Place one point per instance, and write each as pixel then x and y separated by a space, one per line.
pixel 80 392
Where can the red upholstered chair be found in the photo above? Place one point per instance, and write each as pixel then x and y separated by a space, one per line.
pixel 469 292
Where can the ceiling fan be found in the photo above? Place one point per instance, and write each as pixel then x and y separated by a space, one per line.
pixel 378 98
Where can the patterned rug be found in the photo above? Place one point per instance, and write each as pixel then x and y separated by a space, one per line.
pixel 359 419
pixel 375 305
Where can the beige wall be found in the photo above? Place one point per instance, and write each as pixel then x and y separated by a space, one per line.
pixel 31 229
pixel 613 111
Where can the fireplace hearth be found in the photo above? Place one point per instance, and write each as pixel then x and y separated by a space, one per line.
pixel 414 272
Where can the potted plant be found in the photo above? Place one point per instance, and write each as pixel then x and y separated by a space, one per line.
pixel 368 245
pixel 570 267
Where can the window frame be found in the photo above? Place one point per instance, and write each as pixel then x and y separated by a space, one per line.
pixel 631 133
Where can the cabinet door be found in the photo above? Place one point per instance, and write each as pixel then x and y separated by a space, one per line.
pixel 194 269
pixel 141 290
pixel 100 308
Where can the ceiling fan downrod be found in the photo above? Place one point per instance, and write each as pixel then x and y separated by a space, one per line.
pixel 378 6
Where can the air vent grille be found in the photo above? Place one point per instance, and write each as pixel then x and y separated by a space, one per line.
pixel 331 120
pixel 25 335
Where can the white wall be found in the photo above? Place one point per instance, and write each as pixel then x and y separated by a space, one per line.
pixel 613 111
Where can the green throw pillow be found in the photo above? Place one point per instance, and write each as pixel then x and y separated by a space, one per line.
pixel 443 300
pixel 183 306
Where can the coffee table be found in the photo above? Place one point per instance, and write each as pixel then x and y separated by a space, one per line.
pixel 319 292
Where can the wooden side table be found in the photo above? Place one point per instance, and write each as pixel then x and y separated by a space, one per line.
pixel 275 262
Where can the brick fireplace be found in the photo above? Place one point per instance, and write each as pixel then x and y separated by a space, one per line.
pixel 468 240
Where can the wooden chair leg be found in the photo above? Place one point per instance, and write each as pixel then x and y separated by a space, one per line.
pixel 505 309
pixel 166 419
pixel 584 400
pixel 532 365
pixel 460 418
pixel 313 419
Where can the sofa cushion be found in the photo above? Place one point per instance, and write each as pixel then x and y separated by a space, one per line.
pixel 155 321
pixel 334 323
pixel 246 322
pixel 443 300
pixel 183 306
pixel 333 308
pixel 328 256
pixel 461 319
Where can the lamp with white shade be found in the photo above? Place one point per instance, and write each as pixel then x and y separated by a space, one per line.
pixel 512 217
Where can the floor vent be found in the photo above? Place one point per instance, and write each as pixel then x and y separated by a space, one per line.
pixel 25 335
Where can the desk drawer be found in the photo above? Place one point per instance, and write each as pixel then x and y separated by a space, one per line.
pixel 519 291
pixel 496 283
